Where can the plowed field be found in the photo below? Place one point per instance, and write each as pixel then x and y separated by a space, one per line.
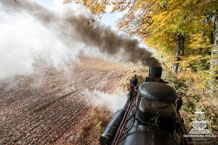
pixel 48 106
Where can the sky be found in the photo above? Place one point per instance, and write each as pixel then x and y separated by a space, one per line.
pixel 107 19
pixel 46 2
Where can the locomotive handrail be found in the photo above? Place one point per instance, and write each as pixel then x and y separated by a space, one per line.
pixel 124 123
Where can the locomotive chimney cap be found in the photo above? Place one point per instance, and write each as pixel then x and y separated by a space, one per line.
pixel 155 75
pixel 155 72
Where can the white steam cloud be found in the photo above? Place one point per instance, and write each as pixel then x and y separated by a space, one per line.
pixel 109 101
pixel 48 34
pixel 24 41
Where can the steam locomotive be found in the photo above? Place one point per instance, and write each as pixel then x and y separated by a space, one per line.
pixel 150 116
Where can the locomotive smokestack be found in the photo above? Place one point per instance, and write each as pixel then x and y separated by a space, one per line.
pixel 155 75
pixel 155 72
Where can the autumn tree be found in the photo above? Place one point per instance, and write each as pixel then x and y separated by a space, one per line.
pixel 186 31
pixel 210 9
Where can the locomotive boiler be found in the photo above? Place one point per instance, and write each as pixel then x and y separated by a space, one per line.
pixel 150 116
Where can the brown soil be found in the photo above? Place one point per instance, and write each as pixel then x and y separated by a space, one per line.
pixel 49 107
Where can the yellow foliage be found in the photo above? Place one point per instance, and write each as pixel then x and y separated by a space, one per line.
pixel 159 22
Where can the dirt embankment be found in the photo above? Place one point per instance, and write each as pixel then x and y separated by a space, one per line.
pixel 49 106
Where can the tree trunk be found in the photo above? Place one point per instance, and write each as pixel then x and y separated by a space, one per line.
pixel 211 38
pixel 182 45
pixel 179 51
pixel 214 60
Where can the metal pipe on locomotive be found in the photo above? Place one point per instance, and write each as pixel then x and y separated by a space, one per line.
pixel 150 116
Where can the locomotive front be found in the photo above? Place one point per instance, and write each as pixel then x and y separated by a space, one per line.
pixel 150 116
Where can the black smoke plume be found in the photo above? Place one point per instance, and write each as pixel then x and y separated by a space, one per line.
pixel 84 29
